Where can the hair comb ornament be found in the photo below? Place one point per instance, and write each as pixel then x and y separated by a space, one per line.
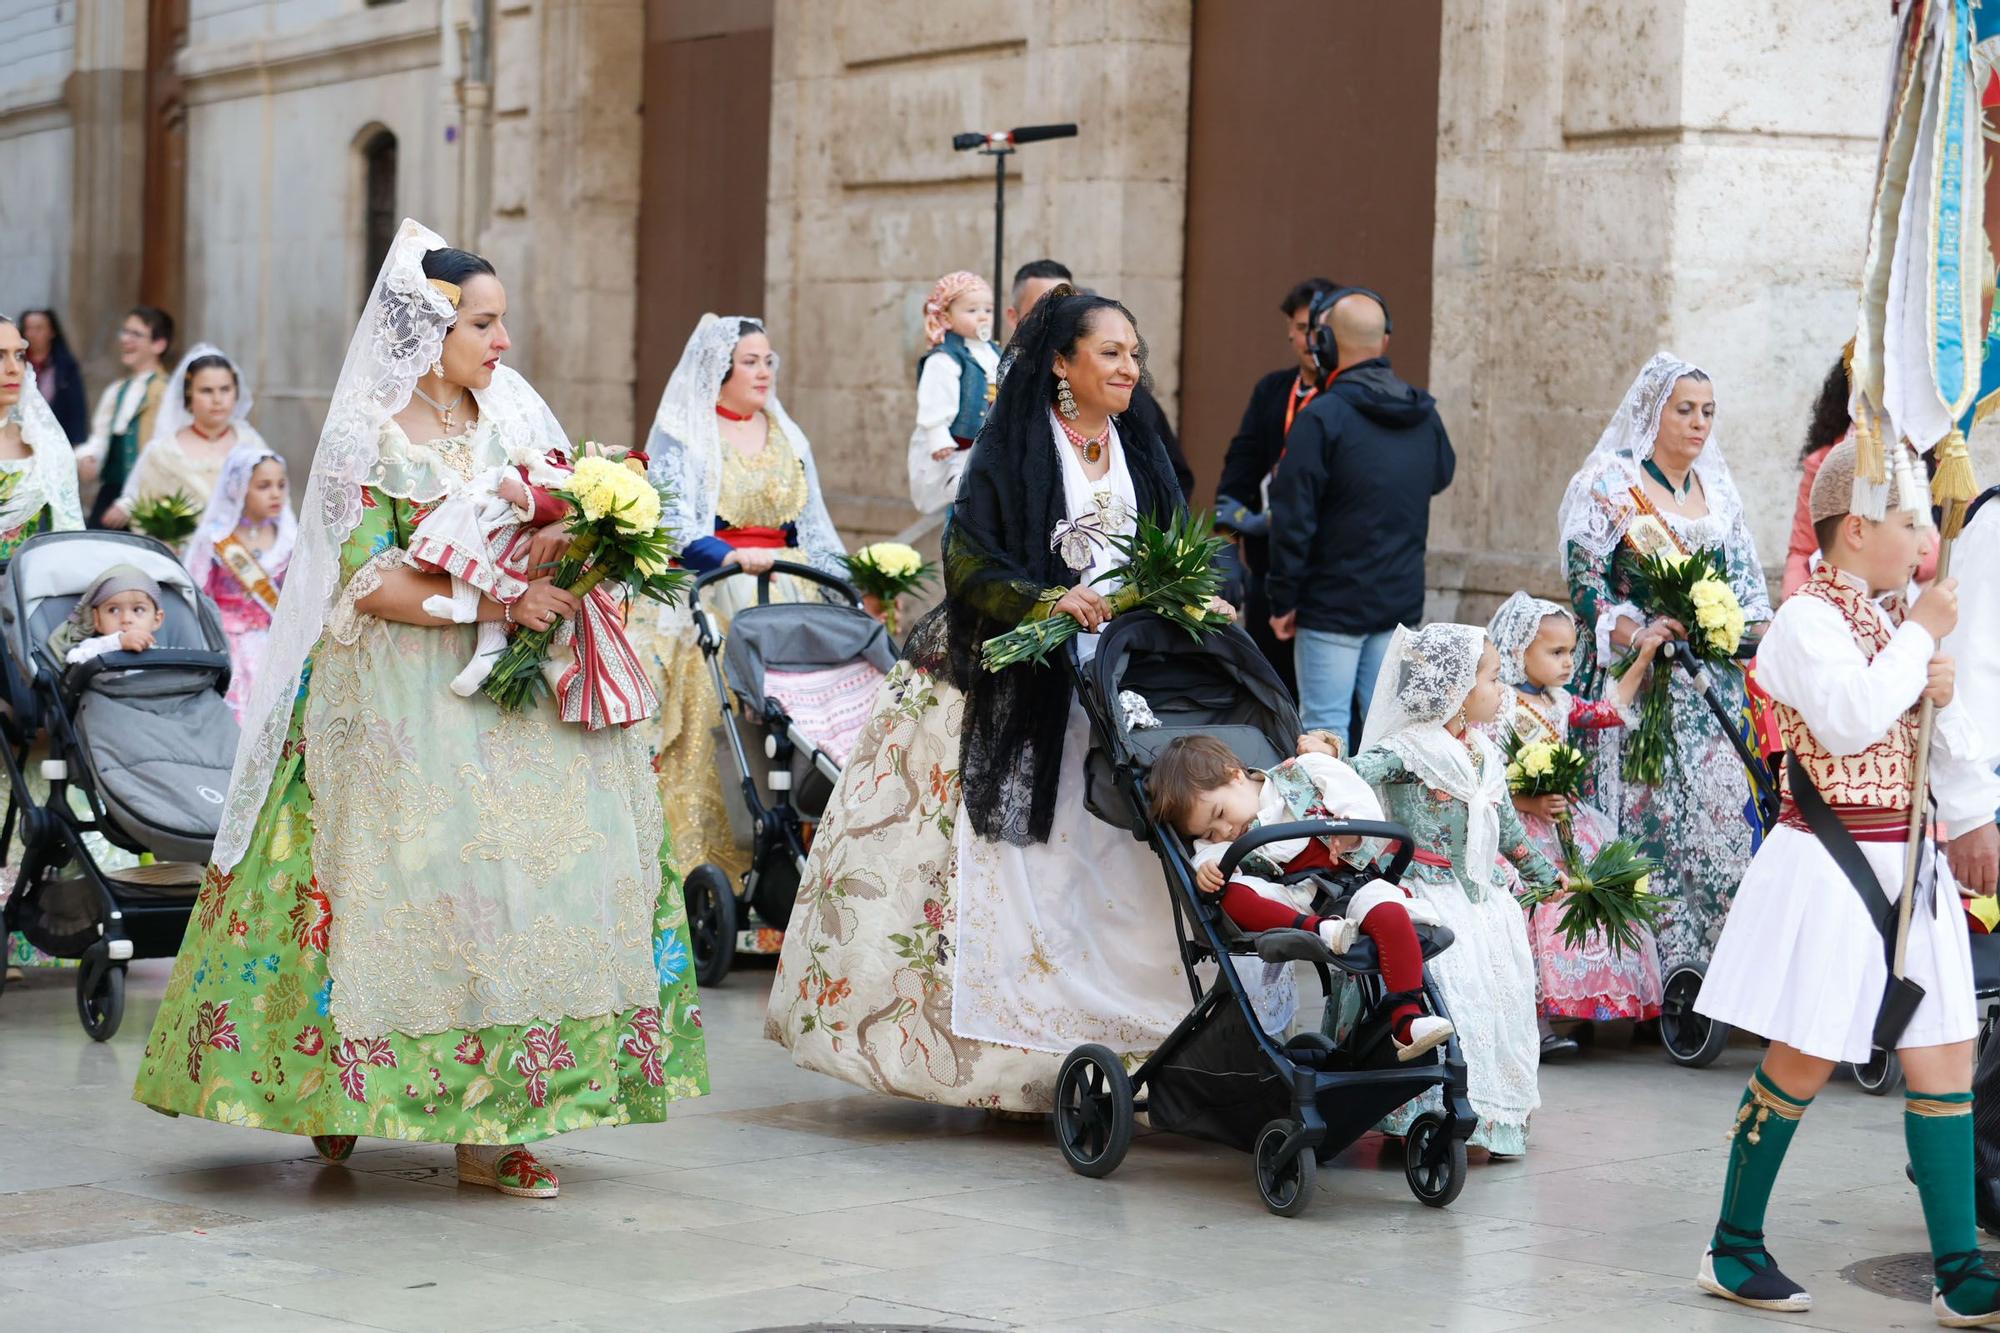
pixel 448 290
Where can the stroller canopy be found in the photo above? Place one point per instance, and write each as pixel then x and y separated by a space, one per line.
pixel 1219 685
pixel 800 636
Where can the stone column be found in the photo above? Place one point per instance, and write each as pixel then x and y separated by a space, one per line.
pixel 869 204
pixel 1620 176
pixel 565 200
pixel 106 94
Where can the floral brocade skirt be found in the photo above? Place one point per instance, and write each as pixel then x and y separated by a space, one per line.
pixel 865 982
pixel 244 1037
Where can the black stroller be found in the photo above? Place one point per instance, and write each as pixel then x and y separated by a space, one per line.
pixel 145 739
pixel 1219 1075
pixel 774 650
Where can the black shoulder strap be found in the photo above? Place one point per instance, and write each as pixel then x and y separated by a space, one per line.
pixel 1840 845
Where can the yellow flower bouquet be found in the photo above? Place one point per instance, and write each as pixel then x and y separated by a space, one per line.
pixel 885 571
pixel 1692 588
pixel 616 536
pixel 1608 892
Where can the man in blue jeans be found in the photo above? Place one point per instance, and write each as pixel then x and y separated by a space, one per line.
pixel 1351 513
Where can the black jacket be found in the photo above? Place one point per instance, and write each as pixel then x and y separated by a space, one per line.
pixel 1351 504
pixel 1254 451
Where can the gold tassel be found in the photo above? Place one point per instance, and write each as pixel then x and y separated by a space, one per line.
pixel 1870 463
pixel 1953 486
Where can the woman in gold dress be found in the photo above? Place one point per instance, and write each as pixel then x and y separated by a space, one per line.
pixel 746 493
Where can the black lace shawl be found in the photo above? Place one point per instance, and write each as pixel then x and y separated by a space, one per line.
pixel 998 565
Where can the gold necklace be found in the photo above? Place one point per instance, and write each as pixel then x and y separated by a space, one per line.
pixel 447 414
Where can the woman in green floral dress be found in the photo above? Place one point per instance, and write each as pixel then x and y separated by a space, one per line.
pixel 426 919
pixel 37 494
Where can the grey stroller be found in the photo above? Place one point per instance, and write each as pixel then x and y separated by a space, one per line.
pixel 794 681
pixel 135 747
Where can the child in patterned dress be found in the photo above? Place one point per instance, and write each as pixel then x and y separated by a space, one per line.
pixel 1591 982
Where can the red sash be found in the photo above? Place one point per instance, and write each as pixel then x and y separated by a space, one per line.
pixel 1868 823
pixel 767 539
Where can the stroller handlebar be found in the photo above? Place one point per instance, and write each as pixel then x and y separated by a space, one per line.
pixel 1406 844
pixel 787 567
pixel 74 679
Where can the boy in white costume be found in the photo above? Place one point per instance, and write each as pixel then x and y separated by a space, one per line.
pixel 1802 960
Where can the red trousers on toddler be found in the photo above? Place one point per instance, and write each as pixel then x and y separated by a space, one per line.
pixel 1395 936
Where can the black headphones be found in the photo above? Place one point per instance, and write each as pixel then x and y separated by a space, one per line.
pixel 1319 338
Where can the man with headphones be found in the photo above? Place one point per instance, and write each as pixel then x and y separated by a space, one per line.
pixel 1242 496
pixel 1350 512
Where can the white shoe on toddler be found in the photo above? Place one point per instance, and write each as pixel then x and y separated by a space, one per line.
pixel 1426 1031
pixel 1339 932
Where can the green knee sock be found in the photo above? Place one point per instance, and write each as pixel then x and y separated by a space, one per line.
pixel 1938 1129
pixel 1766 1119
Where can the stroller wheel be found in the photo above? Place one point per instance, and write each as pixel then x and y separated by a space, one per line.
pixel 101 1006
pixel 1093 1117
pixel 711 913
pixel 1287 1185
pixel 1881 1074
pixel 1433 1161
pixel 1691 1039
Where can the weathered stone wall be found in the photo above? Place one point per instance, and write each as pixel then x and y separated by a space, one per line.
pixel 868 204
pixel 565 208
pixel 37 142
pixel 1620 176
pixel 280 98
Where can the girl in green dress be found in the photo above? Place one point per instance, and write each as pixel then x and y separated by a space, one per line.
pixel 426 918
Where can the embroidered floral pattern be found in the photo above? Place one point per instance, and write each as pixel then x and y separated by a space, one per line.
pixel 1698 822
pixel 254 1062
pixel 544 1052
pixel 210 1031
pixel 863 990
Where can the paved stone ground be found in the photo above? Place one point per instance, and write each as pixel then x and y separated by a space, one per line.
pixel 788 1199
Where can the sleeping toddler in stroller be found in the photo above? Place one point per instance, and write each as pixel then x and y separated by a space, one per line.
pixel 1200 788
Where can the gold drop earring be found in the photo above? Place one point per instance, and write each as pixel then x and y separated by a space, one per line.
pixel 1065 400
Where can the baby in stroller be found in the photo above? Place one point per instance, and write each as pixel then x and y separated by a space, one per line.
pixel 120 611
pixel 1200 788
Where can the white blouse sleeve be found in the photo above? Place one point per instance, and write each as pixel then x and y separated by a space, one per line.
pixel 937 401
pixel 99 443
pixel 1810 661
pixel 1341 787
pixel 934 481
pixel 89 648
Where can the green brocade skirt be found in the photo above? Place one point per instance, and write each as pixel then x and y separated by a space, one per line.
pixel 243 1035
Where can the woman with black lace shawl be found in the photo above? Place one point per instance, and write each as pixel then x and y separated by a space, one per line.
pixel 957 845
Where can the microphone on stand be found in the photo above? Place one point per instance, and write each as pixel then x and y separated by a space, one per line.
pixel 999 145
pixel 1020 134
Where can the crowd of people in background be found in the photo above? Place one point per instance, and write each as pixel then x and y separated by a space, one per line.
pixel 958 841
